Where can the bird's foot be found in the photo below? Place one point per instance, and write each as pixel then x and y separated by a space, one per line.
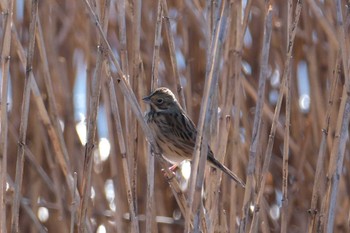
pixel 174 167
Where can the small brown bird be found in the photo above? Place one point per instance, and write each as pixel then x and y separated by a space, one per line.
pixel 174 131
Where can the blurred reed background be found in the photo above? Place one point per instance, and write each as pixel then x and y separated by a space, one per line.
pixel 267 81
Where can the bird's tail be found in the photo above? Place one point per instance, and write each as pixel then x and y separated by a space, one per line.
pixel 214 162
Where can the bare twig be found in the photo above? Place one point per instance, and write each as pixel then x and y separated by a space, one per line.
pixel 284 214
pixel 29 211
pixel 258 116
pixel 268 151
pixel 322 151
pixel 150 212
pixel 338 149
pixel 201 148
pixel 92 124
pixel 129 95
pixel 122 146
pixel 5 66
pixel 173 60
pixel 74 205
pixel 24 121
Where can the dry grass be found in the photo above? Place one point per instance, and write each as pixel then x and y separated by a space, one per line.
pixel 253 60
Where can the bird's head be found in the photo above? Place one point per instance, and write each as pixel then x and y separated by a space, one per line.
pixel 162 99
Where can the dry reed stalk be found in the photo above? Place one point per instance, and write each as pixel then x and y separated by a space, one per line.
pixel 257 118
pixel 92 124
pixel 338 147
pixel 213 202
pixel 235 83
pixel 5 67
pixel 121 11
pixel 122 36
pixel 150 211
pixel 122 147
pixel 53 135
pixel 51 97
pixel 57 138
pixel 54 172
pixel 235 107
pixel 335 166
pixel 288 97
pixel 129 95
pixel 267 112
pixel 66 43
pixel 28 210
pixel 119 132
pixel 24 121
pixel 130 120
pixel 268 152
pixel 201 149
pixel 173 59
pixel 285 169
pixel 316 191
pixel 324 23
pixel 59 148
pixel 31 158
pixel 75 204
pixel 112 109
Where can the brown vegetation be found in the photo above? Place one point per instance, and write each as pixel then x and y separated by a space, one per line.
pixel 244 71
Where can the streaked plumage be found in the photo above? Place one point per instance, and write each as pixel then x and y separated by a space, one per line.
pixel 174 131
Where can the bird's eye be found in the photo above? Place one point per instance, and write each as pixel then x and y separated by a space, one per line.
pixel 159 101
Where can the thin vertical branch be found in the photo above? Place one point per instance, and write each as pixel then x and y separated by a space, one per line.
pixel 32 160
pixel 121 80
pixel 51 96
pixel 74 205
pixel 338 149
pixel 213 200
pixel 56 129
pixel 264 59
pixel 130 122
pixel 122 148
pixel 5 67
pixel 336 164
pixel 235 73
pixel 201 148
pixel 122 36
pixel 92 124
pixel 268 152
pixel 284 214
pixel 28 210
pixel 324 23
pixel 150 212
pixel 44 116
pixel 313 172
pixel 24 120
pixel 107 90
pixel 316 190
pixel 157 43
pixel 128 146
pixel 246 16
pixel 121 12
pixel 172 51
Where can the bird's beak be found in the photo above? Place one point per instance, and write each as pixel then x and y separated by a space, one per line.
pixel 147 99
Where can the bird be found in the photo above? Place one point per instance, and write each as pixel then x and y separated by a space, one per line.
pixel 174 131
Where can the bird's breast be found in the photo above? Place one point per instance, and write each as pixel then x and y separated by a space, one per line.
pixel 166 141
